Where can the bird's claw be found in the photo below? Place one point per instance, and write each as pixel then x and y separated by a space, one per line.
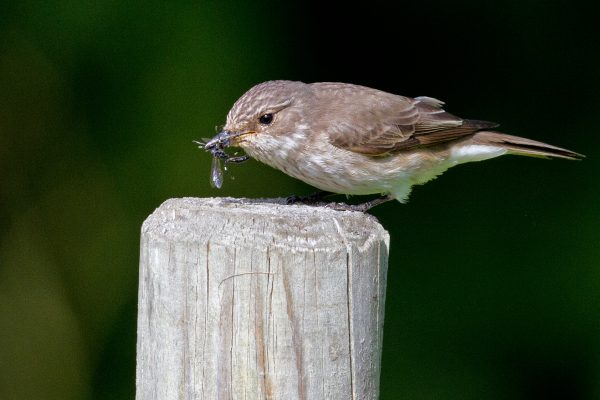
pixel 311 199
pixel 362 207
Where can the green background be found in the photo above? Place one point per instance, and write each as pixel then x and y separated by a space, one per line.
pixel 494 278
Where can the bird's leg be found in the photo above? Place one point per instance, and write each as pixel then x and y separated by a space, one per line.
pixel 363 207
pixel 310 199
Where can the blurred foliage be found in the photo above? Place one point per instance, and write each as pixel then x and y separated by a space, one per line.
pixel 495 267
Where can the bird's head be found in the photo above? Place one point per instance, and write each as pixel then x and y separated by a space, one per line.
pixel 268 118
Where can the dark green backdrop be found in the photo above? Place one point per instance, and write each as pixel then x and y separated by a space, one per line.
pixel 494 279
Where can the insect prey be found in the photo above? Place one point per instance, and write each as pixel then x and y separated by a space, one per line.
pixel 216 146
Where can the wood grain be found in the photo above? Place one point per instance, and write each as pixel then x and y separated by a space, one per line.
pixel 242 299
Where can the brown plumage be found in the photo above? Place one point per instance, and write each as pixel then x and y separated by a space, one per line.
pixel 352 139
pixel 403 123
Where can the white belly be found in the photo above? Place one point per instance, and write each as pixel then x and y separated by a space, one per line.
pixel 341 171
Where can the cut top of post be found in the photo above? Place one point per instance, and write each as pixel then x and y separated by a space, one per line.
pixel 313 227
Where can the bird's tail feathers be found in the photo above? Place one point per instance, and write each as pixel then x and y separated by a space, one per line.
pixel 522 146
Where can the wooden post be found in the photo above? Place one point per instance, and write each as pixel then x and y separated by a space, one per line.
pixel 241 299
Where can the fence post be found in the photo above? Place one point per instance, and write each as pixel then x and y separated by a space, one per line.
pixel 257 300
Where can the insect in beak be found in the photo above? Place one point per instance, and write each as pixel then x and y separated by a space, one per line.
pixel 217 146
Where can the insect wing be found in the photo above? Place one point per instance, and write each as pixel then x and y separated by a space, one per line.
pixel 216 173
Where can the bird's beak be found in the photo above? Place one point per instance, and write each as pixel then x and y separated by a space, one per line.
pixel 224 139
pixel 220 141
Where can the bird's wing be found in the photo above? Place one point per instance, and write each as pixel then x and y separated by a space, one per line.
pixel 397 123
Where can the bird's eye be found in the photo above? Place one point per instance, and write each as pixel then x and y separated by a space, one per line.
pixel 266 119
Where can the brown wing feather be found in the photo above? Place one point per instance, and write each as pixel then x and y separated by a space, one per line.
pixel 382 123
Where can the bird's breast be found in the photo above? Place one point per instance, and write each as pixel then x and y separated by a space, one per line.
pixel 314 160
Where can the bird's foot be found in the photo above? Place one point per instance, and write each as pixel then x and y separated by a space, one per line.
pixel 362 207
pixel 311 199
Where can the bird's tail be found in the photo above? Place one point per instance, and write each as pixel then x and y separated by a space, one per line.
pixel 525 147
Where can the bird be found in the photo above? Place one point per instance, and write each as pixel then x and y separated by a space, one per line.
pixel 354 140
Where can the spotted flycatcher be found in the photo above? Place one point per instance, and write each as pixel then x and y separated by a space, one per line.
pixel 355 140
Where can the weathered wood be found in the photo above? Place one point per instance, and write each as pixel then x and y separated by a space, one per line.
pixel 251 300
